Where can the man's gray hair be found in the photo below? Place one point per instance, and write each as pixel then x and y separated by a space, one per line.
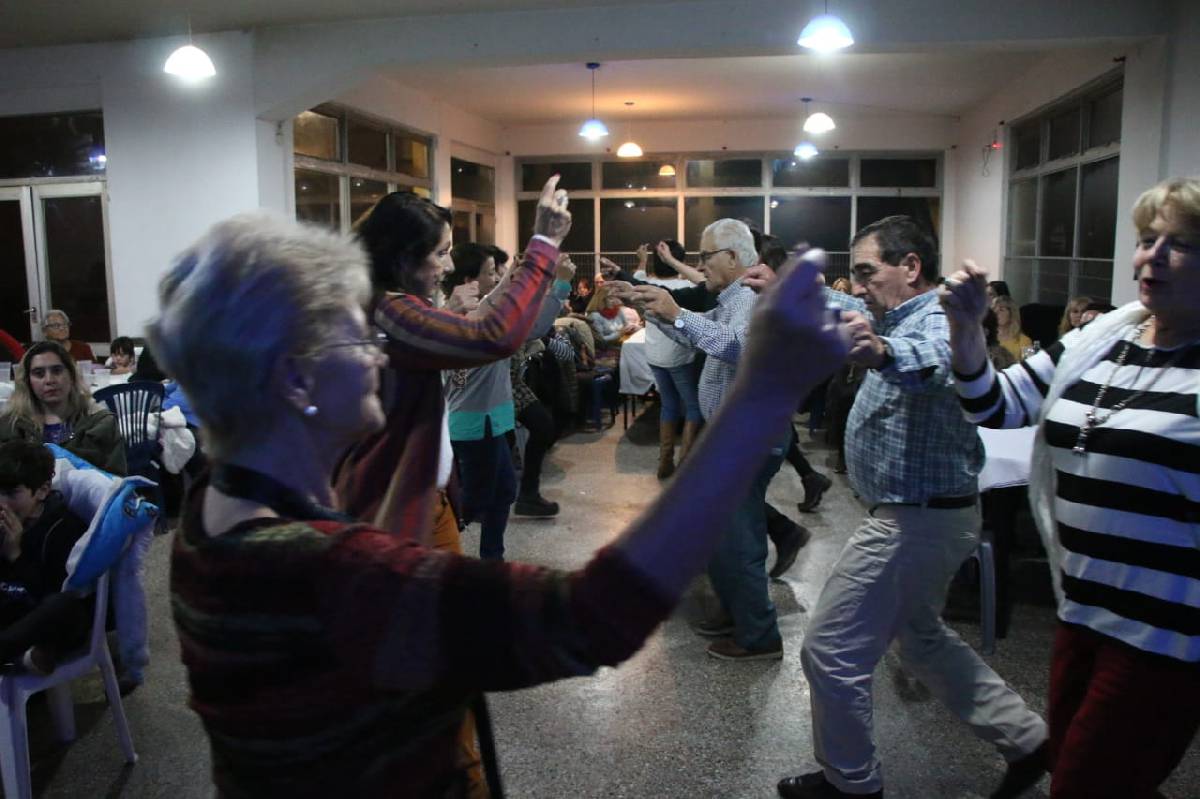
pixel 732 234
pixel 255 288
pixel 56 312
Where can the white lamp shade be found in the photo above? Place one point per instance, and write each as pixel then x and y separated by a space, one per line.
pixel 190 63
pixel 666 171
pixel 629 149
pixel 825 34
pixel 819 122
pixel 593 129
pixel 805 150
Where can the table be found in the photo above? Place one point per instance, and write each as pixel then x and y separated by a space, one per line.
pixel 636 377
pixel 1002 481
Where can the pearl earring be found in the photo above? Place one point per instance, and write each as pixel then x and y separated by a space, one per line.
pixel 311 411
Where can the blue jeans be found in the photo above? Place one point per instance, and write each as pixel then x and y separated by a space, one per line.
pixel 679 392
pixel 738 568
pixel 489 486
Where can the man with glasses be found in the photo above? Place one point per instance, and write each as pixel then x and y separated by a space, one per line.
pixel 738 568
pixel 57 327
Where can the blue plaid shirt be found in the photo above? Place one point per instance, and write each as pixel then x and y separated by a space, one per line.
pixel 906 439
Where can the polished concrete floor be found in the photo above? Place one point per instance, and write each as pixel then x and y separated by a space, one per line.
pixel 669 723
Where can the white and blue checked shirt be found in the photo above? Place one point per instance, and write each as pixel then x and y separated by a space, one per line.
pixel 906 439
pixel 721 334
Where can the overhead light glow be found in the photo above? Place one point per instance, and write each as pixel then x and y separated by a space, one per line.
pixel 190 63
pixel 629 203
pixel 666 171
pixel 805 150
pixel 593 129
pixel 629 149
pixel 819 122
pixel 825 34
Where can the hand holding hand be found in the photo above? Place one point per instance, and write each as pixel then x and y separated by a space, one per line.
pixel 620 288
pixel 608 268
pixel 464 298
pixel 758 277
pixel 565 268
pixel 664 253
pixel 657 301
pixel 553 220
pixel 964 295
pixel 866 349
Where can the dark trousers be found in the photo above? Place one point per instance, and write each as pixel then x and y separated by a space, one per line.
pixel 489 486
pixel 540 424
pixel 59 623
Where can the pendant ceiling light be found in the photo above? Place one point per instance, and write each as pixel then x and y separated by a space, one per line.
pixel 666 171
pixel 825 33
pixel 806 150
pixel 629 149
pixel 593 129
pixel 819 122
pixel 190 63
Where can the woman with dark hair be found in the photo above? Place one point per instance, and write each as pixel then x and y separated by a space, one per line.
pixel 50 405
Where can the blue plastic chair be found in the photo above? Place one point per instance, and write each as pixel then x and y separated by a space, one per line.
pixel 134 404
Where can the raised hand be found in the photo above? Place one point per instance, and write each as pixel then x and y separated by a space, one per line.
pixel 964 295
pixel 643 255
pixel 565 268
pixel 608 268
pixel 464 298
pixel 758 277
pixel 655 300
pixel 553 220
pixel 866 349
pixel 620 288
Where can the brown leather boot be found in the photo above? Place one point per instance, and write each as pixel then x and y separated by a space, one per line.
pixel 666 450
pixel 691 430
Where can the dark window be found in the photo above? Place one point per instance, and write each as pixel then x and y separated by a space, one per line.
pixel 700 212
pixel 1028 138
pixel 925 210
pixel 363 196
pixel 726 174
pixel 1064 134
pixel 316 135
pixel 75 260
pixel 471 181
pixel 14 286
pixel 902 172
pixel 575 176
pixel 1058 214
pixel 582 237
pixel 367 145
pixel 820 171
pixel 1022 217
pixel 635 175
pixel 52 145
pixel 624 224
pixel 821 221
pixel 1104 119
pixel 411 155
pixel 318 198
pixel 1098 209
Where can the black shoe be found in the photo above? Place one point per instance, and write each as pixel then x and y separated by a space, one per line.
pixel 785 553
pixel 1023 774
pixel 535 506
pixel 815 786
pixel 714 628
pixel 815 486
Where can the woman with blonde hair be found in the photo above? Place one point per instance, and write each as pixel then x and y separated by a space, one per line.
pixel 50 405
pixel 1072 318
pixel 1008 327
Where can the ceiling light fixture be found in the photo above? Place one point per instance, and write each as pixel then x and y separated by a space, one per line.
pixel 666 171
pixel 629 149
pixel 806 151
pixel 189 63
pixel 825 33
pixel 593 128
pixel 819 122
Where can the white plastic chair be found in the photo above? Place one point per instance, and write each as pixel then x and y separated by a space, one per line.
pixel 985 555
pixel 16 689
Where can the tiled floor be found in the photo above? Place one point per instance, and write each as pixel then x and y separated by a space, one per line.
pixel 670 723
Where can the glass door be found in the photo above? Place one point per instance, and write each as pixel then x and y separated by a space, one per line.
pixel 70 224
pixel 19 286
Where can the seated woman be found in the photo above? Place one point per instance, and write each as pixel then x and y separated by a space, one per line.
pixel 357 663
pixel 1008 327
pixel 122 356
pixel 57 327
pixel 1072 318
pixel 50 405
pixel 612 322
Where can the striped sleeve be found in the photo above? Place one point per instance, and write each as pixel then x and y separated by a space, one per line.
pixel 1011 398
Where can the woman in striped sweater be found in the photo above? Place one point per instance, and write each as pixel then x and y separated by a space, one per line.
pixel 1115 490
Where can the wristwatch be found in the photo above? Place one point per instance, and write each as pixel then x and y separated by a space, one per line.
pixel 678 322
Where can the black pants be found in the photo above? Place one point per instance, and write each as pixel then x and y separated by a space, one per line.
pixel 59 623
pixel 796 458
pixel 540 424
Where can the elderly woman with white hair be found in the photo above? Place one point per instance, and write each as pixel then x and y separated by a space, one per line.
pixel 1115 491
pixel 56 326
pixel 326 657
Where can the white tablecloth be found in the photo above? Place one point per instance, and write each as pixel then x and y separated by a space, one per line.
pixel 1009 454
pixel 636 377
pixel 6 390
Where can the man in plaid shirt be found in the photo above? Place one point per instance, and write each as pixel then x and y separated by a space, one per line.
pixel 915 461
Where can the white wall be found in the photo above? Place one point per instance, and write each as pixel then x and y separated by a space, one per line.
pixel 1181 153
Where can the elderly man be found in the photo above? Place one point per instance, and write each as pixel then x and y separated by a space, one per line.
pixel 915 461
pixel 57 327
pixel 738 569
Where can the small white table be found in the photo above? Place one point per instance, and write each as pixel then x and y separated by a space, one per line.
pixel 636 377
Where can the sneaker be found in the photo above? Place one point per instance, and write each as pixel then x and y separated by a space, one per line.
pixel 815 486
pixel 728 649
pixel 815 786
pixel 714 628
pixel 786 552
pixel 1024 773
pixel 39 661
pixel 535 506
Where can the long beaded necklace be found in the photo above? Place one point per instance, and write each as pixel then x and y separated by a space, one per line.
pixel 1092 419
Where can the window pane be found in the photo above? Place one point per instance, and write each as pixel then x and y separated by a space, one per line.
pixel 582 237
pixel 792 172
pixel 700 212
pixel 318 198
pixel 1098 209
pixel 1028 138
pixel 367 144
pixel 925 210
pixel 907 172
pixel 1064 134
pixel 316 135
pixel 1058 214
pixel 471 181
pixel 75 255
pixel 731 173
pixel 821 221
pixel 363 196
pixel 460 227
pixel 14 287
pixel 412 155
pixel 485 227
pixel 1022 218
pixel 574 175
pixel 634 175
pixel 624 224
pixel 52 145
pixel 1104 119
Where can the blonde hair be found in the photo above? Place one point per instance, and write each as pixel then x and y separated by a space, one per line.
pixel 1179 196
pixel 842 284
pixel 24 404
pixel 1013 328
pixel 599 300
pixel 1076 304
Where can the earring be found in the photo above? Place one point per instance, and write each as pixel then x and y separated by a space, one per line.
pixel 311 411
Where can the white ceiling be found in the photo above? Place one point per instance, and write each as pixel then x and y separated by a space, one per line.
pixel 943 83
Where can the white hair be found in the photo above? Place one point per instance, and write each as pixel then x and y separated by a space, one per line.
pixel 255 288
pixel 732 234
pixel 56 312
